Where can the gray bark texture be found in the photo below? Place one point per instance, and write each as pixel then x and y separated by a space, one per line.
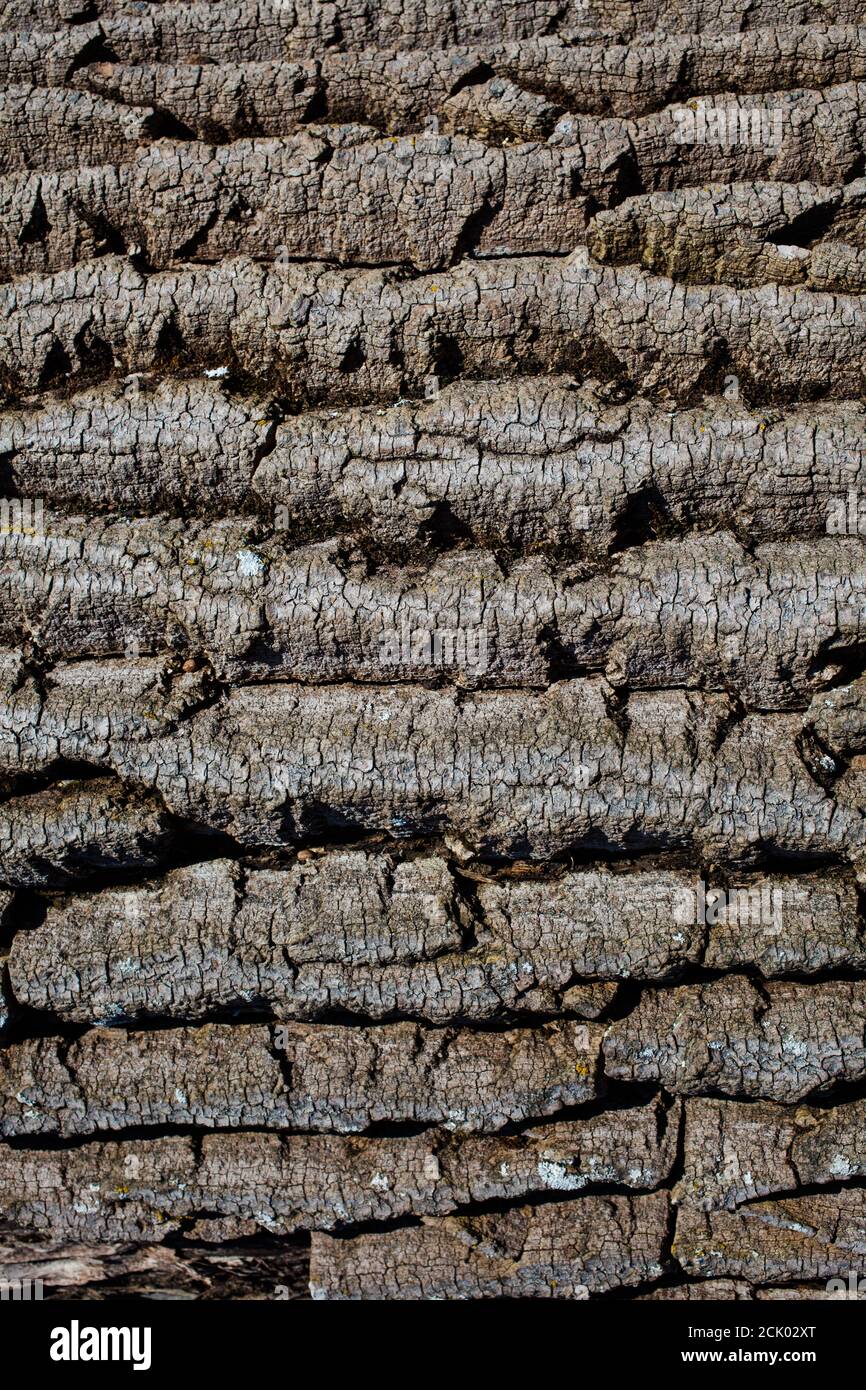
pixel 432 636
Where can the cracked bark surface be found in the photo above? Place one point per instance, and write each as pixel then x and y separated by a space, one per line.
pixel 377 937
pixel 793 134
pixel 64 127
pixel 222 1076
pixel 736 1153
pixel 781 1041
pixel 7 999
pixel 179 28
pixel 510 773
pixel 318 196
pixel 432 709
pixel 268 1184
pixel 370 335
pixel 75 830
pixel 422 201
pixel 772 626
pixel 534 464
pixel 741 234
pixel 798 1238
pixel 556 1251
pixel 498 90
